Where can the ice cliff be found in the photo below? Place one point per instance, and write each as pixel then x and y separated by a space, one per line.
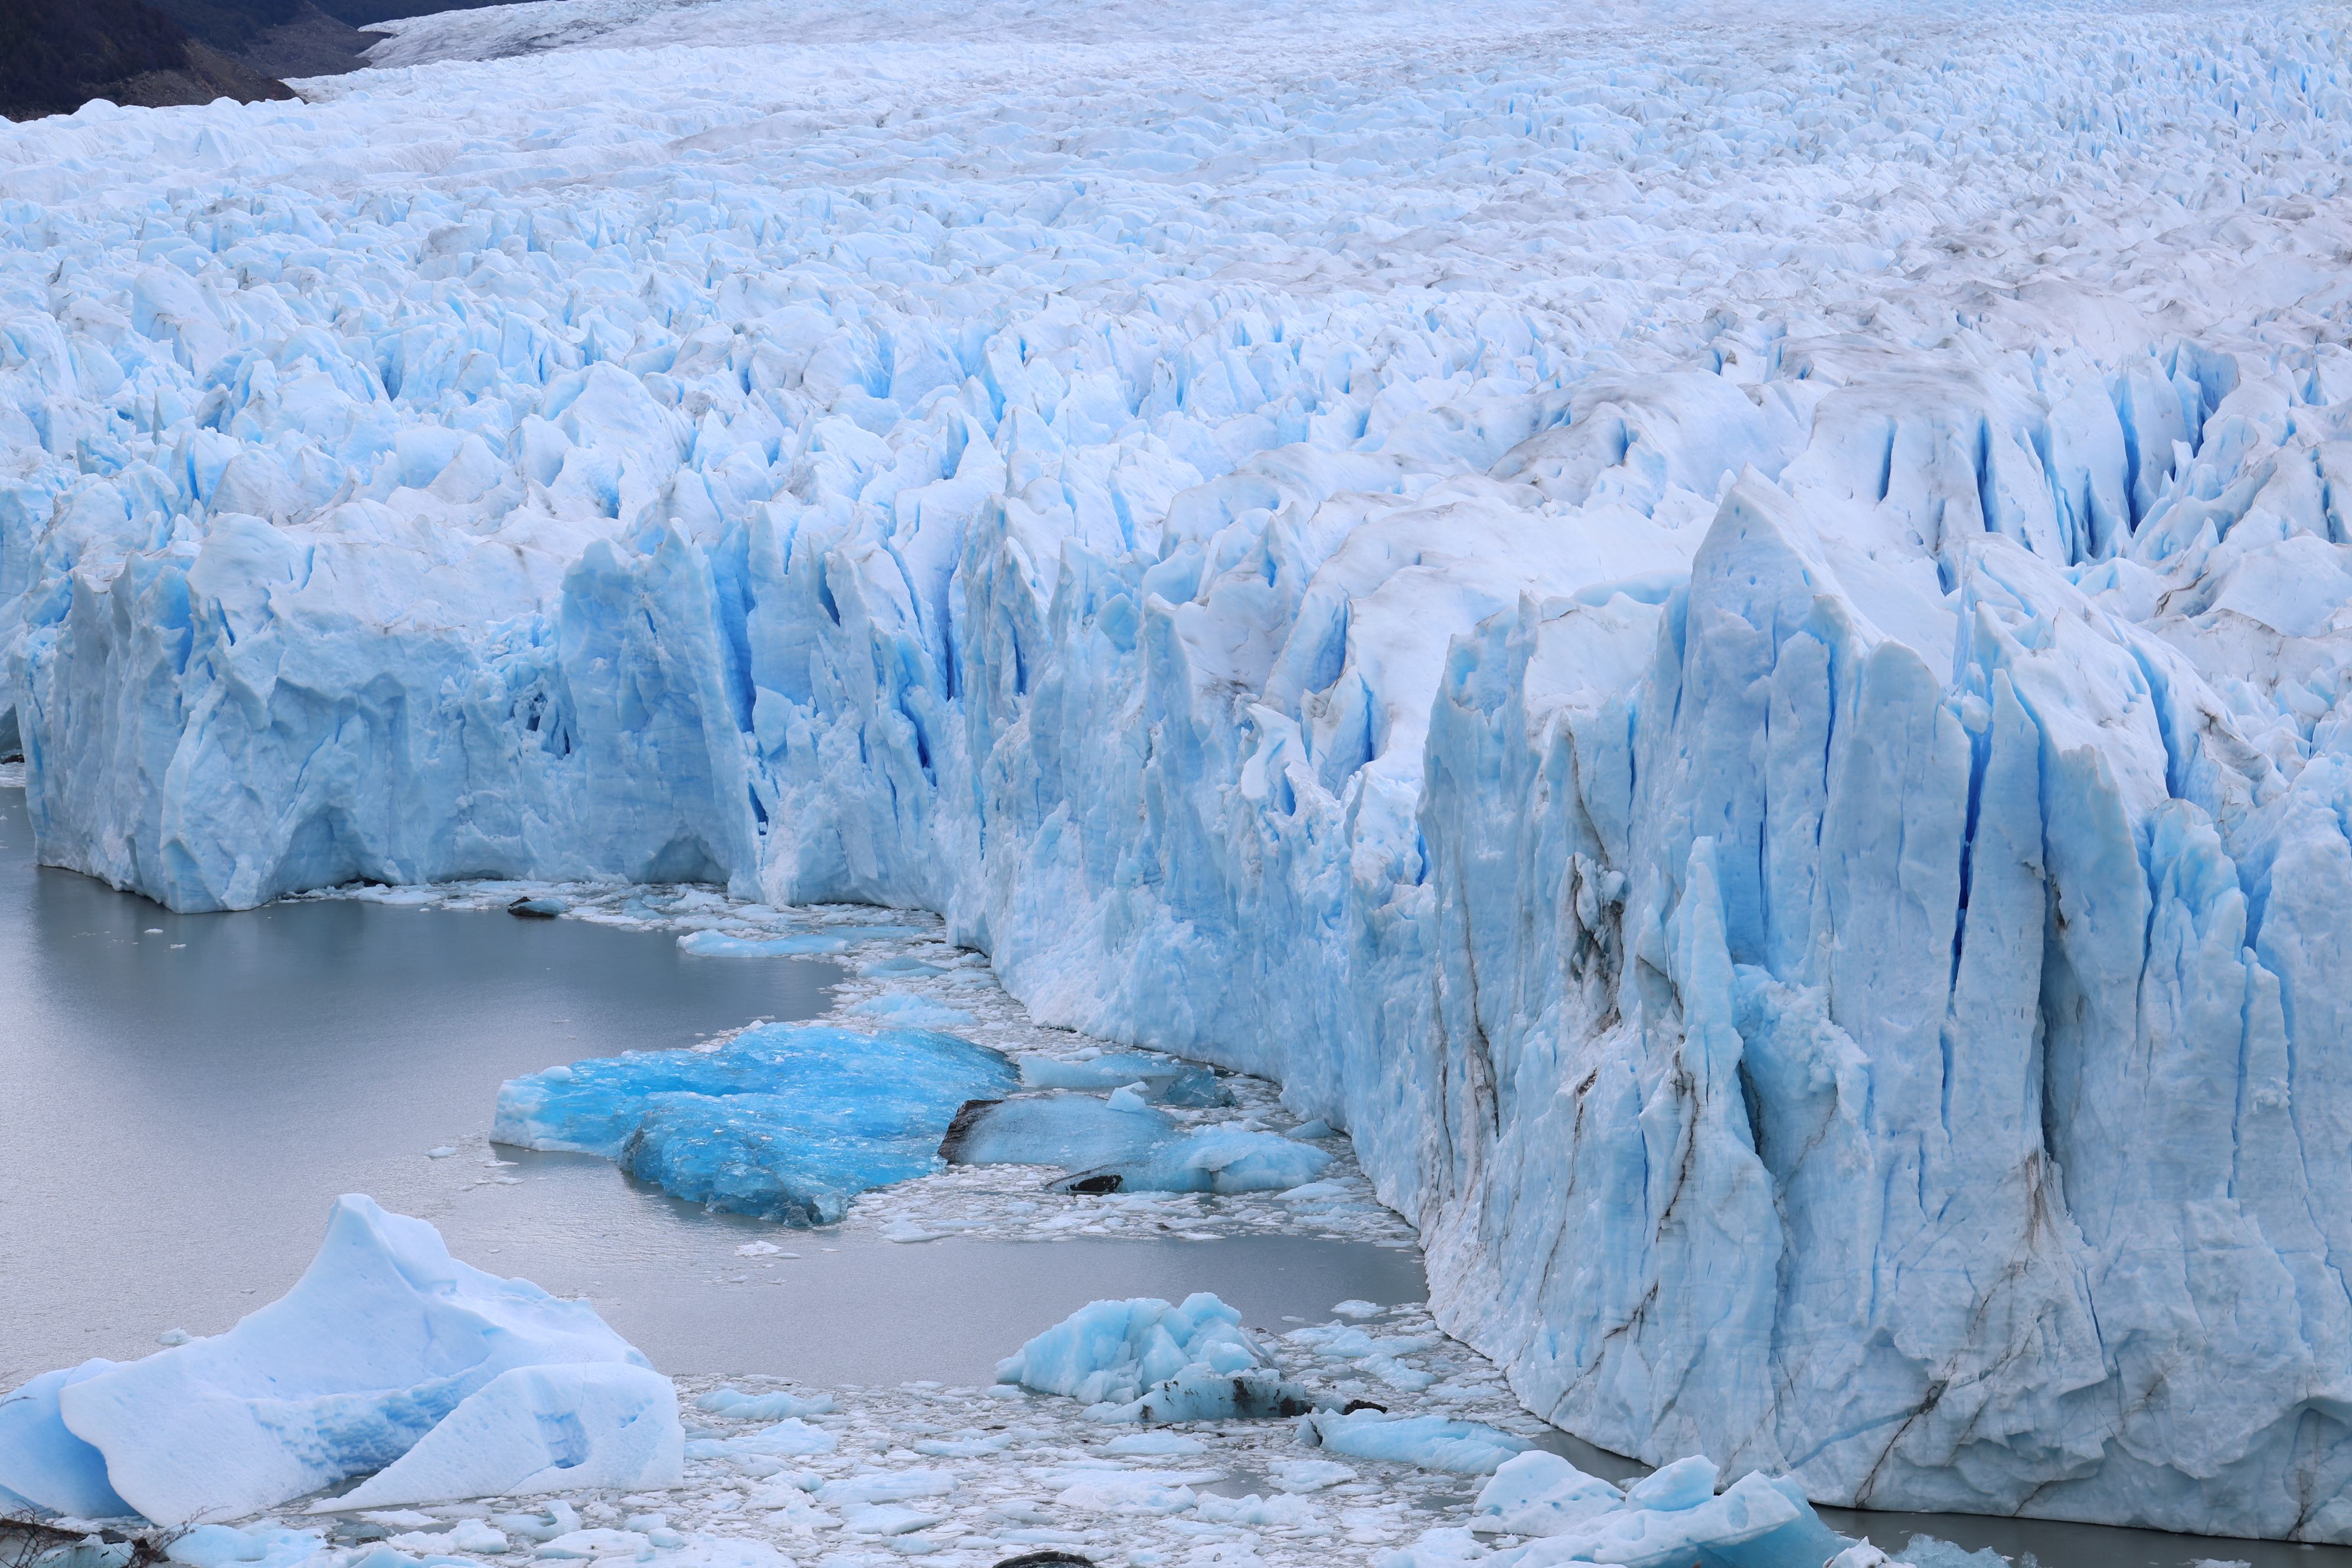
pixel 1729 647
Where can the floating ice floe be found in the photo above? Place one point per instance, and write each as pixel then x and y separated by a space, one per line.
pixel 1164 1080
pixel 1145 1361
pixel 1670 1516
pixel 1123 1144
pixel 787 1439
pixel 720 944
pixel 1432 1442
pixel 738 1405
pixel 387 1356
pixel 788 1122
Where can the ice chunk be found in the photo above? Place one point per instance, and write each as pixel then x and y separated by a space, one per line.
pixel 558 1519
pixel 908 1011
pixel 1259 1511
pixel 1539 1493
pixel 382 1337
pixel 1111 1350
pixel 1208 1160
pixel 1309 1475
pixel 1160 1444
pixel 1072 1130
pixel 720 944
pixel 43 1462
pixel 1432 1442
pixel 263 1546
pixel 724 1552
pixel 1144 1361
pixel 886 1486
pixel 1930 1552
pixel 784 1122
pixel 885 1519
pixel 587 1545
pixel 738 1405
pixel 1126 1492
pixel 1668 1516
pixel 538 1429
pixel 787 1439
pixel 1168 1080
pixel 1201 1392
pixel 1685 1483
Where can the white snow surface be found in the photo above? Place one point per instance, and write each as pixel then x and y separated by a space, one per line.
pixel 1721 631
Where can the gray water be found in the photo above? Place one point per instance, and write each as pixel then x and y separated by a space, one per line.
pixel 185 1095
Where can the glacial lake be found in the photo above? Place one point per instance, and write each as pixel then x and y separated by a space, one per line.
pixel 187 1093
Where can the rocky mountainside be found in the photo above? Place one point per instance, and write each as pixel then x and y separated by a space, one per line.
pixel 57 55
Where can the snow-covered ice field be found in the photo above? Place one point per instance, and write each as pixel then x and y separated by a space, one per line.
pixel 1719 629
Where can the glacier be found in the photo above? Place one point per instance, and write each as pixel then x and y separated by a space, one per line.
pixel 1721 631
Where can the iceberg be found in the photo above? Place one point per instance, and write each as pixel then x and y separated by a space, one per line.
pixel 1433 1442
pixel 1670 1516
pixel 539 1429
pixel 383 1338
pixel 788 1122
pixel 1730 644
pixel 1539 1493
pixel 1108 1351
pixel 1144 1361
pixel 43 1462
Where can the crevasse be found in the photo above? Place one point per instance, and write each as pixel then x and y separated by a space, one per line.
pixel 1771 746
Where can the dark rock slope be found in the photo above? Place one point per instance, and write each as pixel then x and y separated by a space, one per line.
pixel 57 55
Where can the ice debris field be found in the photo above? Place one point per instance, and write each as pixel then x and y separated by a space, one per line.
pixel 1720 630
pixel 459 1401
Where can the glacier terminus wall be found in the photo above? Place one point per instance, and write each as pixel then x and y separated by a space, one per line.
pixel 1724 632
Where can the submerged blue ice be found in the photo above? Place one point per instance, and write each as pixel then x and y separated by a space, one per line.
pixel 786 1121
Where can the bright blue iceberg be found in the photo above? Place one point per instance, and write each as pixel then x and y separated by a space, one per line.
pixel 786 1121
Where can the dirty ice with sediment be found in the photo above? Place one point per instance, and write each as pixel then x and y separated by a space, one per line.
pixel 1718 629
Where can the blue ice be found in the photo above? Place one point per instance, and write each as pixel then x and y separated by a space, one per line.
pixel 1124 1145
pixel 786 1121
